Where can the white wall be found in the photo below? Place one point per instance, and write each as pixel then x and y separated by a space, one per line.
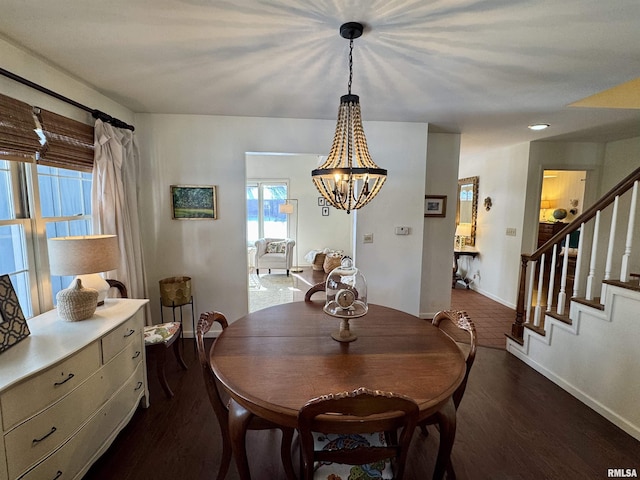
pixel 443 153
pixel 192 149
pixel 315 232
pixel 620 159
pixel 503 177
pixel 20 62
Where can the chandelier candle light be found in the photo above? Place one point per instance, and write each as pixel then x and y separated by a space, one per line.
pixel 349 179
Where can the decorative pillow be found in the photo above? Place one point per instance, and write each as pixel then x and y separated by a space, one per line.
pixel 276 247
pixel 338 471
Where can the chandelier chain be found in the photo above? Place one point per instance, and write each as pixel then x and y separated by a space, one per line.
pixel 350 63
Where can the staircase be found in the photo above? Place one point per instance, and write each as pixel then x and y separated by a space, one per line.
pixel 578 310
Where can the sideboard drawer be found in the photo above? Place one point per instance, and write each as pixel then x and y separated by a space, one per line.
pixel 66 462
pixel 31 396
pixel 42 434
pixel 115 341
pixel 120 368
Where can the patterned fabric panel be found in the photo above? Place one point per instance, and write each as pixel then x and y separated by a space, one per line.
pixel 160 333
pixel 276 247
pixel 338 471
pixel 13 326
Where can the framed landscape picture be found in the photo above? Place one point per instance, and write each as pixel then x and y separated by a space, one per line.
pixel 435 205
pixel 193 202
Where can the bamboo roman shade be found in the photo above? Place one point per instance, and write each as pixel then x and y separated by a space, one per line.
pixel 18 138
pixel 29 134
pixel 69 143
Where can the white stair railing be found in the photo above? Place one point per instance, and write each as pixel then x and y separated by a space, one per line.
pixel 531 307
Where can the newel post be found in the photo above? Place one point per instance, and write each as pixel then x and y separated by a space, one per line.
pixel 517 329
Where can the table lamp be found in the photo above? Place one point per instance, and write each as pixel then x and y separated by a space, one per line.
pixel 463 231
pixel 85 256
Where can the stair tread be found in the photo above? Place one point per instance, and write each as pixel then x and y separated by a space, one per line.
pixel 595 303
pixel 558 316
pixel 630 285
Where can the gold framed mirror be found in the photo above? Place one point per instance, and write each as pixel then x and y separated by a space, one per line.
pixel 467 205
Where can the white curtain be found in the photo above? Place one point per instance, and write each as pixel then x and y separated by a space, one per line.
pixel 114 201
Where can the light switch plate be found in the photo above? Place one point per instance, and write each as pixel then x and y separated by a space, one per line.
pixel 511 232
pixel 402 230
pixel 368 238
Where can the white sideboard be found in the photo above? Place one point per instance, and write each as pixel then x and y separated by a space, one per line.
pixel 68 389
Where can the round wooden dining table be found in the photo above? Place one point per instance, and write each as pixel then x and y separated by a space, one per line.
pixel 273 361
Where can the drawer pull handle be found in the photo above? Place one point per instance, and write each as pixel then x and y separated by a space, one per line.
pixel 69 377
pixel 136 355
pixel 129 333
pixel 58 475
pixel 35 441
pixel 138 387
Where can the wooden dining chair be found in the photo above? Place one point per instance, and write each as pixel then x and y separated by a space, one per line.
pixel 158 338
pixel 220 402
pixel 458 326
pixel 355 443
pixel 119 286
pixel 318 287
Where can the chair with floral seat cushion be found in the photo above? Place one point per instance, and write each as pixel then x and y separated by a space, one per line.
pixel 157 339
pixel 220 401
pixel 356 447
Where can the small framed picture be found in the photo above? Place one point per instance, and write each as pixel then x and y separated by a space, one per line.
pixel 193 202
pixel 325 211
pixel 435 205
pixel 321 202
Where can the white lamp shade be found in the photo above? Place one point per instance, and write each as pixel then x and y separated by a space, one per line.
pixel 83 254
pixel 463 230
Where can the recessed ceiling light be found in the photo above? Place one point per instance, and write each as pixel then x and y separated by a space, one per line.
pixel 538 126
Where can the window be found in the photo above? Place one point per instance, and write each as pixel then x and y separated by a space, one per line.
pixel 263 217
pixel 63 209
pixel 38 201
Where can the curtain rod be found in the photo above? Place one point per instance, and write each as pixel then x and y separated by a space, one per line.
pixel 95 113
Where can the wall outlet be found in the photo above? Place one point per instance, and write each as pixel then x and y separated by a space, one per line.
pixel 511 232
pixel 402 230
pixel 368 238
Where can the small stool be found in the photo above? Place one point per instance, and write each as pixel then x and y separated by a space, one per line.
pixel 159 338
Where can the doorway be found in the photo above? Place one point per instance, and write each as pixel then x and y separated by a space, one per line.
pixel 561 200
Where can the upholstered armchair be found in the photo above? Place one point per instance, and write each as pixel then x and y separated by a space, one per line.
pixel 274 253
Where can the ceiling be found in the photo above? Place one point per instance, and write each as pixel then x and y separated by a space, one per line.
pixel 484 68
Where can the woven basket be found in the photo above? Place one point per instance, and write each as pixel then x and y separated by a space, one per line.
pixel 331 261
pixel 318 262
pixel 76 302
pixel 175 291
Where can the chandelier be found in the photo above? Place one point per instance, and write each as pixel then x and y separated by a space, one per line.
pixel 349 179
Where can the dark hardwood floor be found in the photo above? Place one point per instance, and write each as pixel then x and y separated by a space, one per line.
pixel 512 424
